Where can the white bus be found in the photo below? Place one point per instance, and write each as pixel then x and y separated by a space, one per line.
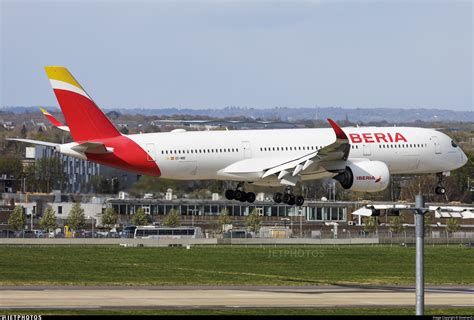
pixel 155 232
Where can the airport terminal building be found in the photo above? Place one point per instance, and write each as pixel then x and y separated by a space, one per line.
pixel 322 211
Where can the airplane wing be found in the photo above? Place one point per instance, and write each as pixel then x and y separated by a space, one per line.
pixel 55 122
pixel 289 170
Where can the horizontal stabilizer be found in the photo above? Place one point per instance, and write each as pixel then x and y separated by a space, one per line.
pixel 92 147
pixel 38 142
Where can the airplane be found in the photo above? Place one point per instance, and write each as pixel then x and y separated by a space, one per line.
pixel 359 158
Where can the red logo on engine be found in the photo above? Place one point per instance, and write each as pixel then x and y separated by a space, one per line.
pixel 376 137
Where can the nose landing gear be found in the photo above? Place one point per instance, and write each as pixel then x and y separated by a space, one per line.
pixel 440 189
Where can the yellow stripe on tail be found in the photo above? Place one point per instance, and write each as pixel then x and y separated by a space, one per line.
pixel 61 74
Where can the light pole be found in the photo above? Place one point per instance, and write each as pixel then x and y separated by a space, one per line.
pixel 419 210
pixel 92 225
pixel 420 249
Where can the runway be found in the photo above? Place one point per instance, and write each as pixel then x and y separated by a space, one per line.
pixel 162 297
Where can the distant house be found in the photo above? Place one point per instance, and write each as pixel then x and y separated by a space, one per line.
pixel 9 125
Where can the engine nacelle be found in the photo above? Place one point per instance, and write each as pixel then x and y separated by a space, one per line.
pixel 364 176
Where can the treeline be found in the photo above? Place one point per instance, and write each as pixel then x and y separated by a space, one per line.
pixel 43 175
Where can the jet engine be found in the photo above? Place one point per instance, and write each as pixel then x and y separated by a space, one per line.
pixel 364 176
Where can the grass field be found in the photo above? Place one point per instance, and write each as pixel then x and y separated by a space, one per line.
pixel 88 265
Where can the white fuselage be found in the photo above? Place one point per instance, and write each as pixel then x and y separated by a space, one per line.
pixel 199 155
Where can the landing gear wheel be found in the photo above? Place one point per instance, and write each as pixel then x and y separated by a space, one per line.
pixel 240 196
pixel 286 198
pixel 244 197
pixel 299 201
pixel 278 197
pixel 251 197
pixel 230 194
pixel 291 201
pixel 440 190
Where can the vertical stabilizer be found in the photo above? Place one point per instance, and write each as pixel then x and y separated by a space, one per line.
pixel 85 120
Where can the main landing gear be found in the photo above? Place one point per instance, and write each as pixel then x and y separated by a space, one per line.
pixel 440 189
pixel 288 197
pixel 239 194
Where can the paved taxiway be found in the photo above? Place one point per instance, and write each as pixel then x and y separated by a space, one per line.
pixel 85 297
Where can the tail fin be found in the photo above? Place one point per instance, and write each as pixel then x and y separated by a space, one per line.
pixel 55 122
pixel 85 120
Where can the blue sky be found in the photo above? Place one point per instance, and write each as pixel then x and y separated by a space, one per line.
pixel 262 54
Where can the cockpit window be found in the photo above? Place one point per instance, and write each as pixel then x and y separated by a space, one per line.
pixel 454 144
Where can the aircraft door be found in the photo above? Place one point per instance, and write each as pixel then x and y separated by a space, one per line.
pixel 247 149
pixel 150 150
pixel 436 144
pixel 367 151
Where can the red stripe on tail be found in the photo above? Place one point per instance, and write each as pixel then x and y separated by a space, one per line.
pixel 85 120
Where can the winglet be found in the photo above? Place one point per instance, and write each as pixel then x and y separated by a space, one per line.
pixel 337 130
pixel 55 122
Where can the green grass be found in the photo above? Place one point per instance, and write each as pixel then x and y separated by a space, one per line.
pixel 310 265
pixel 254 312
